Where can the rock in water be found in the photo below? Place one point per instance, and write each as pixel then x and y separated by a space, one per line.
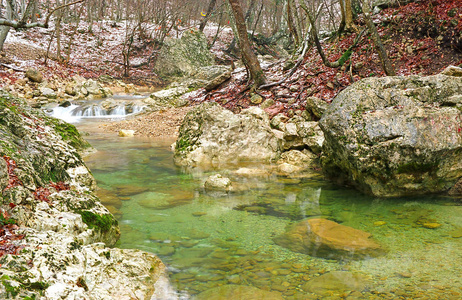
pixel 396 136
pixel 325 238
pixel 211 136
pixel 237 292
pixel 336 282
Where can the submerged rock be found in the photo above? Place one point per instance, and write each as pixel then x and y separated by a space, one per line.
pixel 396 136
pixel 211 136
pixel 59 249
pixel 237 292
pixel 325 238
pixel 217 183
pixel 336 282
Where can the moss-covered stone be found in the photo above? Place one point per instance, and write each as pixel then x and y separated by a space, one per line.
pixel 102 222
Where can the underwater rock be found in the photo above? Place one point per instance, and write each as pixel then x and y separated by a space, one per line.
pixel 336 282
pixel 237 292
pixel 325 238
pixel 211 135
pixel 396 136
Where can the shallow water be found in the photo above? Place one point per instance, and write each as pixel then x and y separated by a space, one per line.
pixel 209 240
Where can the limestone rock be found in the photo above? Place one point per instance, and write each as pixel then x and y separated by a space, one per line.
pixel 211 136
pixel 297 158
pixel 452 71
pixel 126 133
pixel 213 76
pixel 316 106
pixel 396 136
pixel 180 57
pixel 48 92
pixel 65 226
pixel 325 238
pixel 336 282
pixel 237 292
pixel 218 183
pixel 301 134
pixel 34 75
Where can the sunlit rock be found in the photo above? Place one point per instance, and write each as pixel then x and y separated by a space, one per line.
pixel 396 136
pixel 325 238
pixel 126 133
pixel 212 136
pixel 237 292
pixel 336 282
pixel 217 183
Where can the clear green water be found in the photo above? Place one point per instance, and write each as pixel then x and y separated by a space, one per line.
pixel 208 240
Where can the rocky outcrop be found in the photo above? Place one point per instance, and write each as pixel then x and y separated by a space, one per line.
pixel 396 136
pixel 211 136
pixel 54 229
pixel 325 238
pixel 182 57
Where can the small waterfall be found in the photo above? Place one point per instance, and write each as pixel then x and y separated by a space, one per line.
pixel 97 110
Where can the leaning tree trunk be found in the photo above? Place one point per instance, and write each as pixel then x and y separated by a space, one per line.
pixel 249 58
pixel 386 64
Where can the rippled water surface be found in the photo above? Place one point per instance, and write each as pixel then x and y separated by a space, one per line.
pixel 209 240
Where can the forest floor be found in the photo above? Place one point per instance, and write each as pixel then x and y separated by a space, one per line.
pixel 421 38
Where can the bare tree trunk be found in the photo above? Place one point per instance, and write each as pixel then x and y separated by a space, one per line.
pixel 5 29
pixel 290 22
pixel 207 15
pixel 385 61
pixel 249 58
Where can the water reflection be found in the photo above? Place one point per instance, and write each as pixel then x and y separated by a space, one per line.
pixel 221 246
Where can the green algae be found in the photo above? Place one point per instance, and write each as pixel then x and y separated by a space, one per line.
pixel 102 222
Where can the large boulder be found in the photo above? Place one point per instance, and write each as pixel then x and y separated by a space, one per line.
pixel 396 136
pixel 182 57
pixel 325 238
pixel 57 229
pixel 211 136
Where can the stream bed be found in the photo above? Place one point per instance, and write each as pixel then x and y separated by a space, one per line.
pixel 209 240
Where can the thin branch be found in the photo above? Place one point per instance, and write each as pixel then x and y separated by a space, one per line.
pixel 21 24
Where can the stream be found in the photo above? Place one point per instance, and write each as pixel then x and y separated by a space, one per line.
pixel 214 239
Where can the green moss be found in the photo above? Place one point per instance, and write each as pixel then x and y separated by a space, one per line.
pixel 345 57
pixel 69 133
pixel 102 222
pixel 415 167
pixel 182 144
pixel 10 290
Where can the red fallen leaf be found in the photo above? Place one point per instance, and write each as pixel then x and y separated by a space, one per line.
pixel 12 205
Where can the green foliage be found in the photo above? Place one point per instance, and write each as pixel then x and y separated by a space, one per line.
pixel 182 145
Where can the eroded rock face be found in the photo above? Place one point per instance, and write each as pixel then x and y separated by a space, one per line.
pixel 182 57
pixel 325 238
pixel 396 136
pixel 211 136
pixel 48 191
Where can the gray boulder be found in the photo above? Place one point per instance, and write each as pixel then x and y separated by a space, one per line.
pixel 182 57
pixel 34 75
pixel 211 136
pixel 396 136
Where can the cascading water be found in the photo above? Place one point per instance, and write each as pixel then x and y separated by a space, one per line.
pixel 97 109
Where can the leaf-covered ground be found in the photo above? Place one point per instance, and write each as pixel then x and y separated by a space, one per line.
pixel 421 38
